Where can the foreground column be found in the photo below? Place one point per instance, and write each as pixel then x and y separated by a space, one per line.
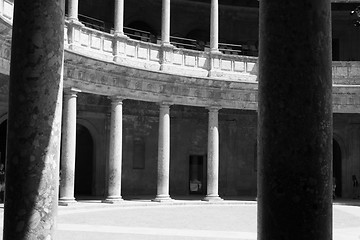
pixel 115 152
pixel 213 156
pixel 68 151
pixel 34 122
pixel 163 154
pixel 295 120
pixel 165 23
pixel 214 26
pixel 119 18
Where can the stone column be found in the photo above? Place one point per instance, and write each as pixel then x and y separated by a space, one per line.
pixel 68 148
pixel 214 26
pixel 115 152
pixel 73 7
pixel 120 39
pixel 119 18
pixel 34 120
pixel 295 120
pixel 165 23
pixel 163 154
pixel 213 156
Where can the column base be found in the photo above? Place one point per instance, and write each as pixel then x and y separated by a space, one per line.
pixel 66 201
pixel 210 198
pixel 113 200
pixel 162 198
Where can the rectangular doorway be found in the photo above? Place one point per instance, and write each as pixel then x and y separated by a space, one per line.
pixel 197 174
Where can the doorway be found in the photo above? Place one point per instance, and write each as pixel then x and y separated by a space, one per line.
pixel 83 162
pixel 337 167
pixel 197 174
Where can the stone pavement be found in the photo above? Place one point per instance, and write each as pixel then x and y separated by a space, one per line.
pixel 180 219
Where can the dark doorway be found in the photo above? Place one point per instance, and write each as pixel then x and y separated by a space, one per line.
pixel 83 162
pixel 337 167
pixel 3 133
pixel 197 174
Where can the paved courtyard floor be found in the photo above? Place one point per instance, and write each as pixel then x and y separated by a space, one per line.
pixel 180 219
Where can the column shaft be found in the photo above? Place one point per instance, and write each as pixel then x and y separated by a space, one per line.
pixel 213 156
pixel 68 150
pixel 165 22
pixel 73 8
pixel 34 120
pixel 163 154
pixel 295 120
pixel 119 17
pixel 115 152
pixel 214 26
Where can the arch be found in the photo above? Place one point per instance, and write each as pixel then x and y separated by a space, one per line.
pixel 84 162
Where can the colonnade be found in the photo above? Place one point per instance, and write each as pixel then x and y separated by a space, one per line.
pixel 295 126
pixel 115 152
pixel 165 21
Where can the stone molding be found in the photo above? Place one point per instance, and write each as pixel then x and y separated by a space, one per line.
pixel 189 77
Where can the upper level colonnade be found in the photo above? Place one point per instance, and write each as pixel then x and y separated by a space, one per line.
pixel 115 65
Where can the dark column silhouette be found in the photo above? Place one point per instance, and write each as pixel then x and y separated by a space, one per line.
pixel 34 120
pixel 295 120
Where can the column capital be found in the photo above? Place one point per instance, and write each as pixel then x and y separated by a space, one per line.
pixel 214 108
pixel 71 91
pixel 165 104
pixel 116 99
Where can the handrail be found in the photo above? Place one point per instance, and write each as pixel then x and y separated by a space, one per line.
pixel 92 22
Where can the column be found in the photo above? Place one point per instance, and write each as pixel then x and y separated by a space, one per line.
pixel 214 26
pixel 165 23
pixel 213 156
pixel 73 7
pixel 295 120
pixel 115 152
pixel 74 25
pixel 34 120
pixel 68 148
pixel 119 18
pixel 120 39
pixel 163 154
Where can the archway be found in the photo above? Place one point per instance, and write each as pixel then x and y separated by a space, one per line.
pixel 84 162
pixel 3 133
pixel 337 167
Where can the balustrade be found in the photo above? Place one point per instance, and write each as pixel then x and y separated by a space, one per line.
pixel 186 56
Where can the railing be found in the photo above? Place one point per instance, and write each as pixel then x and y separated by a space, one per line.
pixel 140 35
pixel 92 22
pixel 187 43
pixel 233 49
